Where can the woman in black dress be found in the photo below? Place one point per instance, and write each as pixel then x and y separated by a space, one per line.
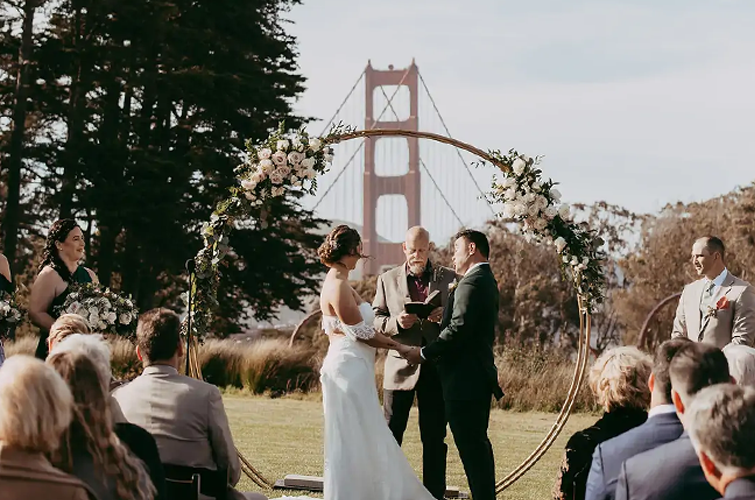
pixel 6 285
pixel 63 251
pixel 619 381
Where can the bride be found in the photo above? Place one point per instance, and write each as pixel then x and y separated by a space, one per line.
pixel 362 459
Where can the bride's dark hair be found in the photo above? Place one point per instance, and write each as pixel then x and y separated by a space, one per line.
pixel 50 255
pixel 342 241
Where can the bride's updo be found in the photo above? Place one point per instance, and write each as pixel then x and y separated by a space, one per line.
pixel 342 241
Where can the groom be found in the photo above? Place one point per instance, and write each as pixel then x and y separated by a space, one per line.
pixel 463 353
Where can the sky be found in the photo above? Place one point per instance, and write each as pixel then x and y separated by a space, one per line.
pixel 639 103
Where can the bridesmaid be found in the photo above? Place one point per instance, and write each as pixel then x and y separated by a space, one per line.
pixel 64 249
pixel 6 285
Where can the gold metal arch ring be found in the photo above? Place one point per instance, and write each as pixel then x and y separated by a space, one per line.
pixel 584 325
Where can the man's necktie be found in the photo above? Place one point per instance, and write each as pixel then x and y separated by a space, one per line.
pixel 709 290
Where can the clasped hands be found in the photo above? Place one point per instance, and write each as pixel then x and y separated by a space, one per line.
pixel 410 353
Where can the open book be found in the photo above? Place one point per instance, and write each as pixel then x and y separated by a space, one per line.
pixel 423 309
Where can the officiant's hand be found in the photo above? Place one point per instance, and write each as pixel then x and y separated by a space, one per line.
pixel 406 320
pixel 436 315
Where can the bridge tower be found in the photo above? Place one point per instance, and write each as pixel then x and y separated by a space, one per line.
pixel 408 184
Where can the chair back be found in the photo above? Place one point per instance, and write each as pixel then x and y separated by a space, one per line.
pixel 186 483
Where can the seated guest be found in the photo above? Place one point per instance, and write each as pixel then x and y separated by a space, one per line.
pixel 137 440
pixel 619 380
pixel 186 416
pixel 672 471
pixel 65 325
pixel 721 426
pixel 36 407
pixel 741 363
pixel 89 448
pixel 662 426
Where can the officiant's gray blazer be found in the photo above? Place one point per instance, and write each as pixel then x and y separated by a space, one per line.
pixel 391 294
pixel 701 322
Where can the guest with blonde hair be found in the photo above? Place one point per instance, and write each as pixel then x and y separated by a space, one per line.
pixel 35 409
pixel 137 440
pixel 66 325
pixel 619 382
pixel 90 449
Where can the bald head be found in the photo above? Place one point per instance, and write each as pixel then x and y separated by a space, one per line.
pixel 417 249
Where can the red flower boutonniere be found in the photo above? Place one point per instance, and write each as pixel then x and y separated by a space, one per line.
pixel 723 303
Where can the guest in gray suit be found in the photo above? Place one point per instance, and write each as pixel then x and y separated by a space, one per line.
pixel 413 281
pixel 722 426
pixel 186 416
pixel 672 471
pixel 662 426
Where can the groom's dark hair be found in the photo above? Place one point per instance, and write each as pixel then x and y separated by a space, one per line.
pixel 478 238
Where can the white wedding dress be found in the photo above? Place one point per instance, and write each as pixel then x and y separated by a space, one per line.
pixel 362 459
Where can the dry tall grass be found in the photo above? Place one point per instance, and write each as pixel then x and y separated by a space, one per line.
pixel 533 380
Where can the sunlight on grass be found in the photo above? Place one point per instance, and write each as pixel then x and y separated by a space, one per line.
pixel 284 436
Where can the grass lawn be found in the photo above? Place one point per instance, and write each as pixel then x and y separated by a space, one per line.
pixel 284 436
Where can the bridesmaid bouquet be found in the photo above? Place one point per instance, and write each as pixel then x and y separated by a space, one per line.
pixel 10 313
pixel 106 312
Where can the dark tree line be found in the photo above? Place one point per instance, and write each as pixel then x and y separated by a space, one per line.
pixel 130 116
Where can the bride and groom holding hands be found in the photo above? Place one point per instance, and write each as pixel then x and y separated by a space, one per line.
pixel 445 359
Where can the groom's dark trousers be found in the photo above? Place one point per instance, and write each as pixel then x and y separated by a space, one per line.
pixel 432 425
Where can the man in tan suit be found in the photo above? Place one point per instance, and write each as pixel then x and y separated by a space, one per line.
pixel 186 416
pixel 719 308
pixel 413 281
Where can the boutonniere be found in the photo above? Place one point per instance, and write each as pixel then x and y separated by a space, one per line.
pixel 453 285
pixel 723 303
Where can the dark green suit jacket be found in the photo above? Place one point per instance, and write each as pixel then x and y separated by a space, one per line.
pixel 464 349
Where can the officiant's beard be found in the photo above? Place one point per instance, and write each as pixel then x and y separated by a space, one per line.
pixel 417 268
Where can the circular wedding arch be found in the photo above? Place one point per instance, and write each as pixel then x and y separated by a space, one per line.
pixel 214 251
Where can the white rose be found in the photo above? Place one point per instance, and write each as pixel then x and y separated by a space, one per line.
pixel 560 244
pixel 93 319
pixel 541 224
pixel 551 212
pixel 283 171
pixel 308 162
pixel 248 184
pixel 93 311
pixel 314 143
pixel 264 154
pixel 533 210
pixel 518 166
pixel 555 194
pixel 257 177
pixel 276 178
pixel 566 259
pixel 111 317
pixel 101 325
pixel 266 166
pixel 529 198
pixel 509 210
pixel 282 145
pixel 520 208
pixel 280 158
pixel 295 158
pixel 586 261
pixel 74 308
pixel 542 201
pixel 124 319
pixel 510 194
pixel 310 173
pixel 563 211
pixel 328 158
pixel 129 304
pixel 296 143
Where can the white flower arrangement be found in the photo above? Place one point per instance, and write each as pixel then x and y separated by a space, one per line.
pixel 10 312
pixel 283 162
pixel 105 311
pixel 536 204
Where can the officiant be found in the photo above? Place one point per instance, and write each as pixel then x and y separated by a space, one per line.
pixel 425 287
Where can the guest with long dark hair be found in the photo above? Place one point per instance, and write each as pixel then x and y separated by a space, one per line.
pixel 63 251
pixel 6 285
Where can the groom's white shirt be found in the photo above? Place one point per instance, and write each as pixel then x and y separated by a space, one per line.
pixel 477 264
